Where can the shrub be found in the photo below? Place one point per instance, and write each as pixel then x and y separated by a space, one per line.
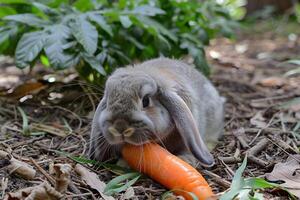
pixel 96 36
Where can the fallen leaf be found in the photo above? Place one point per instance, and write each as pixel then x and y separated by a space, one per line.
pixel 26 89
pixel 92 180
pixel 18 167
pixel 258 120
pixel 128 194
pixel 43 191
pixel 62 178
pixel 272 82
pixel 289 173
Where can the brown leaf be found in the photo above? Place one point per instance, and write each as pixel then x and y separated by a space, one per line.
pixel 92 180
pixel 62 178
pixel 289 173
pixel 26 89
pixel 258 120
pixel 272 82
pixel 40 192
pixel 18 167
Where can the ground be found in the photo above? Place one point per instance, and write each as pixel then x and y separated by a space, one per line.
pixel 248 71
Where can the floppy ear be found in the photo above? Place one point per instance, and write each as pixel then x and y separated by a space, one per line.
pixel 186 125
pixel 96 138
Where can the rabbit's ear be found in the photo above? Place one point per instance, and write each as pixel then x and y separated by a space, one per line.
pixel 186 126
pixel 97 148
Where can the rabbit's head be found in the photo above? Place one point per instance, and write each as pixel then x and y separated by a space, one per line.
pixel 133 112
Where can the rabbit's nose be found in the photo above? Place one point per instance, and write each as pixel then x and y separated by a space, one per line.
pixel 121 127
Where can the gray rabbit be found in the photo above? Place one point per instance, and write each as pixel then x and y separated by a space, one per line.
pixel 162 100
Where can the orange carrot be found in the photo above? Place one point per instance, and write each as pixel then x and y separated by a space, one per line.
pixel 167 169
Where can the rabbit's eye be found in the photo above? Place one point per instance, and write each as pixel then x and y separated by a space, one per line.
pixel 146 101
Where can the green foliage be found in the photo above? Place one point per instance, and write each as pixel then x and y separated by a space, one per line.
pixel 295 71
pixel 117 185
pixel 246 188
pixel 96 36
pixel 236 8
pixel 25 125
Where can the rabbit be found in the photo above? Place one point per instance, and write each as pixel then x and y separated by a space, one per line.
pixel 162 100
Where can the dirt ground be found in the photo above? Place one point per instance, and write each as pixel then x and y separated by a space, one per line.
pixel 248 72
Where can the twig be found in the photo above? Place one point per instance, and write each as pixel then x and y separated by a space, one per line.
pixel 274 98
pixel 230 159
pixel 258 147
pixel 217 179
pixel 240 135
pixel 27 141
pixel 283 144
pixel 50 179
pixel 255 150
pixel 267 130
pixel 258 161
pixel 79 195
pixel 259 132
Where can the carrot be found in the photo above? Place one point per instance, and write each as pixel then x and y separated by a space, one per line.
pixel 167 169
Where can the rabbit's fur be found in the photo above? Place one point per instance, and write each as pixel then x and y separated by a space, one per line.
pixel 185 111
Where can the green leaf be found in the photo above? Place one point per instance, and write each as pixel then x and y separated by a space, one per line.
pixel 14 2
pixel 4 34
pixel 94 63
pixel 25 125
pixel 125 21
pixel 295 62
pixel 259 183
pixel 83 5
pixel 237 182
pixel 134 41
pixel 28 48
pixel 5 10
pixel 56 38
pixel 157 26
pixel 100 20
pixel 199 58
pixel 147 10
pixel 114 168
pixel 44 60
pixel 28 19
pixel 116 185
pixel 46 9
pixel 292 72
pixel 85 33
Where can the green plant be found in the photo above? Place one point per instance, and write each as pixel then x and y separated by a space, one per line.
pixel 96 36
pixel 295 71
pixel 117 185
pixel 247 188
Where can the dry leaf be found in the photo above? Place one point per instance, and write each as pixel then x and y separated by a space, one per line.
pixel 26 89
pixel 272 82
pixel 289 173
pixel 128 194
pixel 92 180
pixel 258 120
pixel 40 192
pixel 63 177
pixel 18 167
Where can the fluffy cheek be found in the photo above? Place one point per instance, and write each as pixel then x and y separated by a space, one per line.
pixel 161 120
